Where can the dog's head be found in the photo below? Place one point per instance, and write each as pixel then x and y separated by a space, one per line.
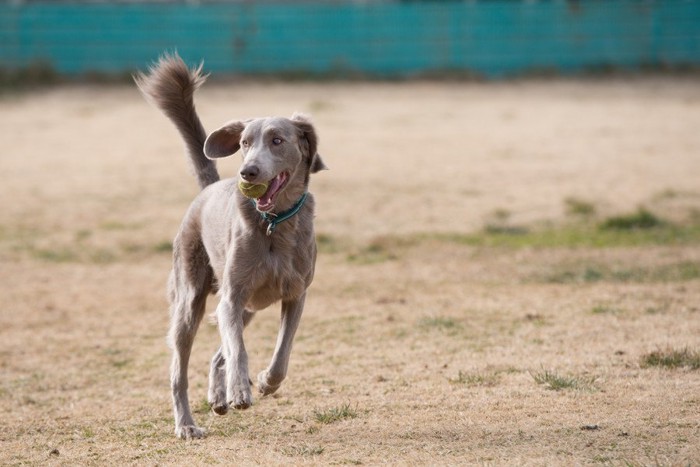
pixel 281 152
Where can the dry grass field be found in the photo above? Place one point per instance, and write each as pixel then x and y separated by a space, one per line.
pixel 509 273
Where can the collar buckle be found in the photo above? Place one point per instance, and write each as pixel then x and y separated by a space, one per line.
pixel 273 219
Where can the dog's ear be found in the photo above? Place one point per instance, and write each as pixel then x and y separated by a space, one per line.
pixel 317 164
pixel 308 142
pixel 224 141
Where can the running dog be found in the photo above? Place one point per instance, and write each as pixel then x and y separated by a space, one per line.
pixel 252 252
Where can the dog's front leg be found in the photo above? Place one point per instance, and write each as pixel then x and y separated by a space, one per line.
pixel 270 379
pixel 217 376
pixel 230 314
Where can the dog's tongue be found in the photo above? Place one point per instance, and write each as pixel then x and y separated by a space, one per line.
pixel 265 201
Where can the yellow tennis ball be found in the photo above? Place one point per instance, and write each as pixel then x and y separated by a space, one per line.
pixel 252 190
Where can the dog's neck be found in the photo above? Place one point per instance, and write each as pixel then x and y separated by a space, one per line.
pixel 273 219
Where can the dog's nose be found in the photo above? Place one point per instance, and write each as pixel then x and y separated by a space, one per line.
pixel 250 172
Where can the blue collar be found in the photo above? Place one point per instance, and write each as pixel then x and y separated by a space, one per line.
pixel 273 219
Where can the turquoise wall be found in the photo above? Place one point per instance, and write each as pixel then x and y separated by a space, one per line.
pixel 489 37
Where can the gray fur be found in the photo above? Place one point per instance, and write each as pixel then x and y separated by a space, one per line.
pixel 222 245
pixel 171 86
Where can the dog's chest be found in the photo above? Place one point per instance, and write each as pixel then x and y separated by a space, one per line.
pixel 282 275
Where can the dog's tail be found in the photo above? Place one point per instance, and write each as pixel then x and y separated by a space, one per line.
pixel 170 85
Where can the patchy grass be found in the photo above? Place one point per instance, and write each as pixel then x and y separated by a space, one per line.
pixel 201 407
pixel 585 236
pixel 475 379
pixel 605 310
pixel 117 226
pixel 641 219
pixel 303 450
pixel 498 223
pixel 567 236
pixel 675 272
pixel 440 323
pixel 505 230
pixel 580 208
pixel 83 234
pixel 672 358
pixel 319 105
pixel 556 382
pixel 55 255
pixel 379 250
pixel 83 252
pixel 87 432
pixel 329 244
pixel 335 414
pixel 78 254
pixel 163 247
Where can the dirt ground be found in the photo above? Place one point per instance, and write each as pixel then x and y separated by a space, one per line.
pixel 469 306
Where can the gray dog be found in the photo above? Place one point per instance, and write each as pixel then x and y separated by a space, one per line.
pixel 252 252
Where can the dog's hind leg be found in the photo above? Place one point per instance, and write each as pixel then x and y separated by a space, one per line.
pixel 270 379
pixel 217 376
pixel 190 283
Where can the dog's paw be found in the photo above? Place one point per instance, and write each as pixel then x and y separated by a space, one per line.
pixel 264 386
pixel 240 398
pixel 189 432
pixel 217 401
pixel 219 408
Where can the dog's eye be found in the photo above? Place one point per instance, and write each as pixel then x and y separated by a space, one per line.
pixel 276 141
pixel 244 143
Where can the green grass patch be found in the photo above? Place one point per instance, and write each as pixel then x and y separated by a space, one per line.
pixel 498 223
pixel 556 382
pixel 117 358
pixel 672 358
pixel 56 255
pixel 567 276
pixel 329 244
pixel 592 273
pixel 379 250
pixel 101 256
pixel 303 450
pixel 580 208
pixel 117 225
pixel 82 234
pixel 640 220
pixel 575 236
pixel 536 319
pixel 475 379
pixel 319 105
pixel 82 252
pixel 505 230
pixel 201 407
pixel 641 228
pixel 335 414
pixel 605 310
pixel 62 254
pixel 119 364
pixel 163 247
pixel 439 323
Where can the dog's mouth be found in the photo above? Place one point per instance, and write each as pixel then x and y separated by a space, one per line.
pixel 267 201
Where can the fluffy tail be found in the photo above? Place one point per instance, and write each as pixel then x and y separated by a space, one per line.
pixel 170 85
